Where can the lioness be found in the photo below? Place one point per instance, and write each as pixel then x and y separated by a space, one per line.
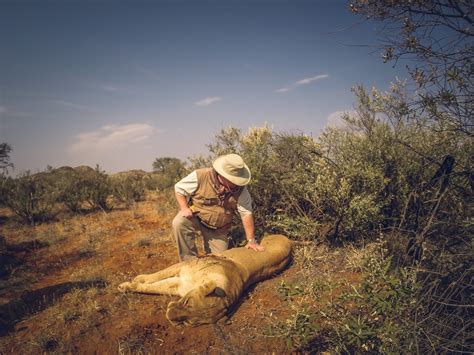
pixel 209 286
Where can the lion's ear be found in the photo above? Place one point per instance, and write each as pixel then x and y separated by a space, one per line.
pixel 212 290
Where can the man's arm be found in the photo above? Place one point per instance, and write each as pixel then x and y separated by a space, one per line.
pixel 182 190
pixel 186 212
pixel 249 227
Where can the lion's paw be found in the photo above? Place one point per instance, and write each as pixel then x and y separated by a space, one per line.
pixel 124 286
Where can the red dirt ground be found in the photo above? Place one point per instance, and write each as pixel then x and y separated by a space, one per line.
pixel 63 298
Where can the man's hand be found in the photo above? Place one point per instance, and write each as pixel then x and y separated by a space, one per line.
pixel 187 213
pixel 255 246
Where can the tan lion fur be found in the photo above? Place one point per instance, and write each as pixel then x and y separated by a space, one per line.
pixel 209 286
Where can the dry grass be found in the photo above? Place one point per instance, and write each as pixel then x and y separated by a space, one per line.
pixel 320 276
pixel 74 313
pixel 62 297
pixel 55 287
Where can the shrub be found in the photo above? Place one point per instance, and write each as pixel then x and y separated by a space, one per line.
pixel 82 185
pixel 71 187
pixel 168 171
pixel 32 197
pixel 298 329
pixel 97 189
pixel 299 190
pixel 376 316
pixel 129 187
pixel 388 171
pixel 5 164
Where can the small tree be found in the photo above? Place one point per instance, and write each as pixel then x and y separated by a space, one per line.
pixel 5 150
pixel 97 189
pixel 437 37
pixel 71 187
pixel 169 171
pixel 30 196
pixel 129 187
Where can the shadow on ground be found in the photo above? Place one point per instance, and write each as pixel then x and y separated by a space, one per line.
pixel 38 300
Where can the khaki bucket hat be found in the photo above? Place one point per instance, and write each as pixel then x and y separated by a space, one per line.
pixel 233 168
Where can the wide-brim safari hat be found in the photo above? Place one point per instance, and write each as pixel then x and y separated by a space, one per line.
pixel 233 168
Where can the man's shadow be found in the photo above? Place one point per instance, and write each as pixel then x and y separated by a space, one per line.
pixel 38 300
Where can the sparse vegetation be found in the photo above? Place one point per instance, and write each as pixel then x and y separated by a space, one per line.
pixel 129 187
pixel 37 198
pixel 381 206
pixel 437 38
pixel 381 176
pixel 97 189
pixel 376 316
pixel 72 188
pixel 29 196
pixel 168 171
pixel 299 328
pixel 5 163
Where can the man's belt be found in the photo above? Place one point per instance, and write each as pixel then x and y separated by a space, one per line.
pixel 208 226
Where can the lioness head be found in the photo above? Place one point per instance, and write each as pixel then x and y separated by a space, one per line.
pixel 205 304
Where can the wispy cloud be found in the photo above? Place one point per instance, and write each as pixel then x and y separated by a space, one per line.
pixel 111 137
pixel 111 88
pixel 16 112
pixel 105 86
pixel 72 105
pixel 207 101
pixel 304 81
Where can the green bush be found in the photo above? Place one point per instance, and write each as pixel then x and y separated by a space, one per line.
pixel 299 190
pixel 76 187
pixel 5 163
pixel 97 189
pixel 388 171
pixel 168 171
pixel 35 197
pixel 355 180
pixel 376 316
pixel 129 187
pixel 71 188
pixel 32 197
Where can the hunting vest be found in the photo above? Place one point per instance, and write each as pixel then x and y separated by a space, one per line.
pixel 213 208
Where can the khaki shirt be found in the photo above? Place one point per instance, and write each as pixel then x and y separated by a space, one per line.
pixel 189 184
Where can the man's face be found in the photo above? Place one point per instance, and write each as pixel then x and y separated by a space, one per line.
pixel 226 183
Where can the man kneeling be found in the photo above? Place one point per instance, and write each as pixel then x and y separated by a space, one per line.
pixel 208 199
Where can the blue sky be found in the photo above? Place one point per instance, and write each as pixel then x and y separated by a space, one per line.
pixel 120 83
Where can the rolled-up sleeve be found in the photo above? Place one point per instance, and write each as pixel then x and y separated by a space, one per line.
pixel 244 203
pixel 187 185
